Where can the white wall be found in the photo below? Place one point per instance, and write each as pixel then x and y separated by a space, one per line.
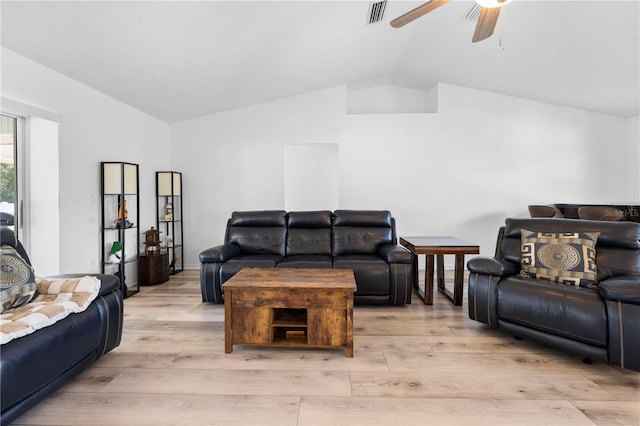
pixel 94 128
pixel 633 156
pixel 461 171
pixel 311 177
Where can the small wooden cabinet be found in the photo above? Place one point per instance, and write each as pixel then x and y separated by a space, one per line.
pixel 300 308
pixel 153 269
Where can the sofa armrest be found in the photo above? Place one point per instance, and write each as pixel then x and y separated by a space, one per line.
pixel 220 253
pixel 108 283
pixel 626 289
pixel 395 254
pixel 492 266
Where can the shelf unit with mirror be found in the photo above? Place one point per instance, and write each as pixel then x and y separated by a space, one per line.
pixel 120 242
pixel 169 217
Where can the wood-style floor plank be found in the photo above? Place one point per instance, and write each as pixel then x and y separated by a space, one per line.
pixel 322 411
pixel 412 365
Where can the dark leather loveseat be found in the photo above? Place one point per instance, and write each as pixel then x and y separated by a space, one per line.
pixel 34 366
pixel 362 240
pixel 601 322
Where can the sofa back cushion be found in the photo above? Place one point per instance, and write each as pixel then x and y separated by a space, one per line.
pixel 617 249
pixel 309 233
pixel 258 232
pixel 361 231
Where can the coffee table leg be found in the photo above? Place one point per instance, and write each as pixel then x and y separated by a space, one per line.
pixel 228 331
pixel 350 325
pixel 428 281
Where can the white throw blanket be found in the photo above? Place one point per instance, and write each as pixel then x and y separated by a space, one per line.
pixel 56 300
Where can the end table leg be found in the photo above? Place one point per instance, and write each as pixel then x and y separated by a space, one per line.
pixel 428 281
pixel 416 279
pixel 440 271
pixel 458 286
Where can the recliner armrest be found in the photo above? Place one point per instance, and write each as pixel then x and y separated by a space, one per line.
pixel 492 266
pixel 626 289
pixel 395 254
pixel 220 253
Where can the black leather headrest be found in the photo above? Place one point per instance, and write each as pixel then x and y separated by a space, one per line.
pixel 613 234
pixel 373 218
pixel 8 237
pixel 258 218
pixel 311 219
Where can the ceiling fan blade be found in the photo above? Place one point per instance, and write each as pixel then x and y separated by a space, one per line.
pixel 417 12
pixel 486 23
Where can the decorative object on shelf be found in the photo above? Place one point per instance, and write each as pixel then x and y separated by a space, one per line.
pixel 152 241
pixel 169 216
pixel 123 215
pixel 120 213
pixel 168 210
pixel 115 254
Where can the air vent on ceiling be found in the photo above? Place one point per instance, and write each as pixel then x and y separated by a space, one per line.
pixel 376 11
pixel 474 12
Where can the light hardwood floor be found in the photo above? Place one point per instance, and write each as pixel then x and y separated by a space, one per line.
pixel 412 365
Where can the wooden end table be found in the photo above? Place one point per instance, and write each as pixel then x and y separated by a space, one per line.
pixel 153 269
pixel 287 307
pixel 439 246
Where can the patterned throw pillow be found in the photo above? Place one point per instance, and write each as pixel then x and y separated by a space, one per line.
pixel 17 281
pixel 562 257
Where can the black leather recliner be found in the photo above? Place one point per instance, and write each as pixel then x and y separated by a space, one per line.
pixel 362 240
pixel 599 323
pixel 36 365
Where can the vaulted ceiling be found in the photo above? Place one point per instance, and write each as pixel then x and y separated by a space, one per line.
pixel 184 59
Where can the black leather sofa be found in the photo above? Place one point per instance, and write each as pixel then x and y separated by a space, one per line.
pixel 362 240
pixel 601 323
pixel 34 366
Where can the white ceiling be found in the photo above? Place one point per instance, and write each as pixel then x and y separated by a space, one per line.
pixel 184 59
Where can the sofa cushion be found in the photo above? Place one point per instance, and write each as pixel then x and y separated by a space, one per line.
pixel 232 266
pixel 562 257
pixel 37 361
pixel 309 233
pixel 371 272
pixel 562 310
pixel 617 250
pixel 361 231
pixel 306 261
pixel 17 280
pixel 56 300
pixel 258 232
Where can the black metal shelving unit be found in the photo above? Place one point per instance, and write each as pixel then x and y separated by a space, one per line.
pixel 120 207
pixel 169 217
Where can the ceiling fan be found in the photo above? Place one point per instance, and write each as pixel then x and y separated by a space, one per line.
pixel 486 22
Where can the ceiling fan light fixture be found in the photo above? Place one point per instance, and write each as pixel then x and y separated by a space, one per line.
pixel 492 3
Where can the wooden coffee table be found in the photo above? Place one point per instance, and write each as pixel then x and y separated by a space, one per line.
pixel 286 307
pixel 439 246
